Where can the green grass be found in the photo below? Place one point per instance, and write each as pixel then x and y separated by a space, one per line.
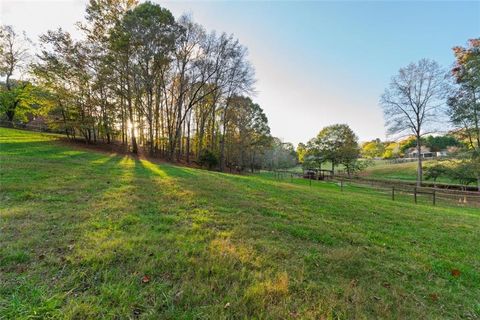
pixel 79 230
pixel 406 171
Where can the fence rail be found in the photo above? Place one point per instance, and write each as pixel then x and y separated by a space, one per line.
pixel 27 126
pixel 396 190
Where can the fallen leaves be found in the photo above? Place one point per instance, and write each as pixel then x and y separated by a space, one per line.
pixel 455 273
pixel 145 279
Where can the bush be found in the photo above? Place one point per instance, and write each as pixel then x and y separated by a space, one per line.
pixel 208 158
pixel 434 171
pixel 466 172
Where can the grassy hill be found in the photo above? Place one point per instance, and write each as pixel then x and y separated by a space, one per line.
pixel 91 235
pixel 399 171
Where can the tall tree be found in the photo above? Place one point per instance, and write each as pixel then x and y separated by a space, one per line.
pixel 13 60
pixel 464 101
pixel 154 83
pixel 338 144
pixel 413 102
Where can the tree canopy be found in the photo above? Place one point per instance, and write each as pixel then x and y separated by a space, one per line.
pixel 142 78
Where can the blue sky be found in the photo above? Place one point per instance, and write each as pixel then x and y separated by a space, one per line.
pixel 317 63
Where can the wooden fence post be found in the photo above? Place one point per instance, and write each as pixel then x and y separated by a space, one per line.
pixel 393 193
pixel 341 185
pixel 434 197
pixel 415 194
pixel 310 181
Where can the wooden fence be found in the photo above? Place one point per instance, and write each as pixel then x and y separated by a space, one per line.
pixel 394 190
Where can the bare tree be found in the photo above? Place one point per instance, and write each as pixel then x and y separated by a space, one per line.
pixel 13 60
pixel 14 52
pixel 413 102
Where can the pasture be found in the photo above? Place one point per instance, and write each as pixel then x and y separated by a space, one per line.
pixel 89 235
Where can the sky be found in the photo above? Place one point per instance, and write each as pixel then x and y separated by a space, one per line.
pixel 317 62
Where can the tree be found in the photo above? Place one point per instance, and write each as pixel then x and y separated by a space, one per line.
pixel 146 36
pixel 465 172
pixel 413 102
pixel 435 143
pixel 337 144
pixel 392 150
pixel 439 143
pixel 280 155
pixel 253 132
pixel 373 149
pixel 150 31
pixel 301 152
pixel 13 59
pixel 464 102
pixel 208 158
pixel 141 77
pixel 436 170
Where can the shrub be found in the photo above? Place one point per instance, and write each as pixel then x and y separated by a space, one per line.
pixel 434 171
pixel 208 158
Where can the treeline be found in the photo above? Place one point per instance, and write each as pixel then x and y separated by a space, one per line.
pixel 398 149
pixel 142 78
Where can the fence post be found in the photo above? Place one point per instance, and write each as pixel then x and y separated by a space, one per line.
pixel 434 197
pixel 310 179
pixel 415 194
pixel 341 185
pixel 393 193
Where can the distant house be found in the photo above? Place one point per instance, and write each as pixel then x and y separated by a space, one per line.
pixel 442 153
pixel 425 152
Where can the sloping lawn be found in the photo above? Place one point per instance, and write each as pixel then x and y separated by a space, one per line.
pixel 400 171
pixel 90 235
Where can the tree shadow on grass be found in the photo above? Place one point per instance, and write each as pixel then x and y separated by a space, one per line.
pixel 203 261
pixel 209 245
pixel 44 218
pixel 179 245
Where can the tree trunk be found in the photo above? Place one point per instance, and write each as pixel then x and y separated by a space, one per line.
pixel 222 146
pixel 10 115
pixel 132 129
pixel 419 167
pixel 188 138
pixel 222 153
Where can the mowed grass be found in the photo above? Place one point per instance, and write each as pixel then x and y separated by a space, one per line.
pixel 400 171
pixel 88 235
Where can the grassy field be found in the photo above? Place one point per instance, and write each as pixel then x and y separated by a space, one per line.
pixel 383 169
pixel 89 235
pixel 399 171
